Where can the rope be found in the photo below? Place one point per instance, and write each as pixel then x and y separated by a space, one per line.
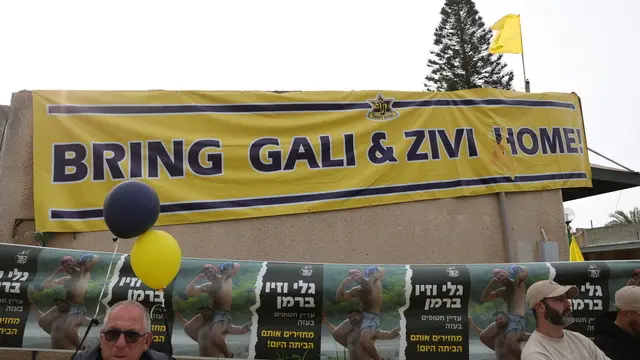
pixel 94 320
pixel 166 324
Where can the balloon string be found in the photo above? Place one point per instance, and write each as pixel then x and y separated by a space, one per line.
pixel 166 323
pixel 107 277
pixel 94 320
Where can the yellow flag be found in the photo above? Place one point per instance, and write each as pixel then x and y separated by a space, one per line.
pixel 508 39
pixel 574 251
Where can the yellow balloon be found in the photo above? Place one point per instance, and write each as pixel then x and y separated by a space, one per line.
pixel 155 258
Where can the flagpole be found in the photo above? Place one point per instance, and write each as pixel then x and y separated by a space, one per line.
pixel 524 71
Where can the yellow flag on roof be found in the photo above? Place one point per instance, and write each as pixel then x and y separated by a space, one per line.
pixel 574 251
pixel 508 39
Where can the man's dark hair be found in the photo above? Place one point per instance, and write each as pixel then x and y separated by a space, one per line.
pixel 499 312
pixel 354 310
pixel 544 302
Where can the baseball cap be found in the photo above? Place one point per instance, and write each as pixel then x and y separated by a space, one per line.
pixel 628 298
pixel 544 289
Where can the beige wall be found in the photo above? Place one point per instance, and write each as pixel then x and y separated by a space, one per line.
pixel 610 234
pixel 626 254
pixel 4 116
pixel 456 230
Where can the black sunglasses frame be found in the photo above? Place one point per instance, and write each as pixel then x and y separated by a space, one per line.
pixel 130 336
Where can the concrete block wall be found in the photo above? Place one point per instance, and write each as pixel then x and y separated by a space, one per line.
pixel 461 230
pixel 454 230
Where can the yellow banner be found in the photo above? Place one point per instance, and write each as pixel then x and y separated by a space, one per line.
pixel 228 155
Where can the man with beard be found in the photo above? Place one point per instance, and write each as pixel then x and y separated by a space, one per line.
pixel 369 292
pixel 347 334
pixel 219 286
pixel 53 322
pixel 618 333
pixel 512 291
pixel 495 337
pixel 550 303
pixel 75 286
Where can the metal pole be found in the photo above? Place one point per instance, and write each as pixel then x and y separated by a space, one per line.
pixel 524 71
pixel 615 162
pixel 504 219
pixel 524 74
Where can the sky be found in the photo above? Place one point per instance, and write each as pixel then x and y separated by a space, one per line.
pixel 582 46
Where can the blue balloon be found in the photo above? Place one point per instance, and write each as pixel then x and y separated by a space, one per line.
pixel 131 208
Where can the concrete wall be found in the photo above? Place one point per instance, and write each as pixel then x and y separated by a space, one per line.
pixel 610 234
pixel 4 117
pixel 626 254
pixel 456 230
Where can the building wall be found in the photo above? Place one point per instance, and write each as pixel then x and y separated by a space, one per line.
pixel 455 230
pixel 625 254
pixel 609 234
pixel 4 116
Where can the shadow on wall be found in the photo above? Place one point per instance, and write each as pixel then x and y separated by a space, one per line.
pixel 4 119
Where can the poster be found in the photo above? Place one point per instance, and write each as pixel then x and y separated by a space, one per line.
pixel 342 149
pixel 436 315
pixel 255 309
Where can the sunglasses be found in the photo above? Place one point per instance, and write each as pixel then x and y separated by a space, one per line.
pixel 130 336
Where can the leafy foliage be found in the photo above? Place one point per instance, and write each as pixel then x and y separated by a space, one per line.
pixel 244 297
pixel 620 217
pixel 462 60
pixel 48 262
pixel 482 312
pixel 393 284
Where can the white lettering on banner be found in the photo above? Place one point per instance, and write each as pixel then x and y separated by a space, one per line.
pixel 16 278
pixel 448 289
pixel 153 296
pixel 291 301
pixel 589 304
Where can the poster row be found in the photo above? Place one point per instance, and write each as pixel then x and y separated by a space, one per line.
pixel 267 310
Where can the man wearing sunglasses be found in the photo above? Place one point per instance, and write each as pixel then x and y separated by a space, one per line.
pixel 126 335
pixel 551 305
pixel 53 322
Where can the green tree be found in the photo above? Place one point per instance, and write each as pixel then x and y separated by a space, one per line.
pixel 620 217
pixel 462 60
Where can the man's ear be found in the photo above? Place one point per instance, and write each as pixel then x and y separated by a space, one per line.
pixel 148 339
pixel 540 308
pixel 624 313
